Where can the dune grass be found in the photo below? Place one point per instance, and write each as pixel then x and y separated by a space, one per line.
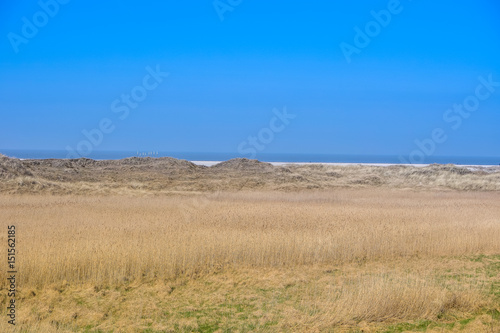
pixel 366 259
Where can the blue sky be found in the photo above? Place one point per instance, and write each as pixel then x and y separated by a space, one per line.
pixel 227 76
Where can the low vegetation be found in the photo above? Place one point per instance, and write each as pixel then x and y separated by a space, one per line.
pixel 144 176
pixel 361 260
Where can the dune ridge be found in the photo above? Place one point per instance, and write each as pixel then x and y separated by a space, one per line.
pixel 166 175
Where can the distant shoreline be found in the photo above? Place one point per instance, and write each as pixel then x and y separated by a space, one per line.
pixel 212 163
pixel 275 158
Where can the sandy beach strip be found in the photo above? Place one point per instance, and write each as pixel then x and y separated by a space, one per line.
pixel 471 167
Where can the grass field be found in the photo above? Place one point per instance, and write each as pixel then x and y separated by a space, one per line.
pixel 361 260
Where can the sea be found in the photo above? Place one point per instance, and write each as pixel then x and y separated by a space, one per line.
pixel 265 157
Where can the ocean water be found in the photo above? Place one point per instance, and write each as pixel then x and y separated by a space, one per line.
pixel 266 157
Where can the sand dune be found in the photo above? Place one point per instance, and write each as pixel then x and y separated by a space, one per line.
pixel 169 175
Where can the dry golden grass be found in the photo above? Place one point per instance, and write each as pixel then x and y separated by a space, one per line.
pixel 318 298
pixel 303 261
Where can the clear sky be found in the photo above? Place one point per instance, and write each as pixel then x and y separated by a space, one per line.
pixel 68 67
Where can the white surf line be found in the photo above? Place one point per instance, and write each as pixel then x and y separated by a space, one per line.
pixel 345 164
pixel 211 163
pixel 206 163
